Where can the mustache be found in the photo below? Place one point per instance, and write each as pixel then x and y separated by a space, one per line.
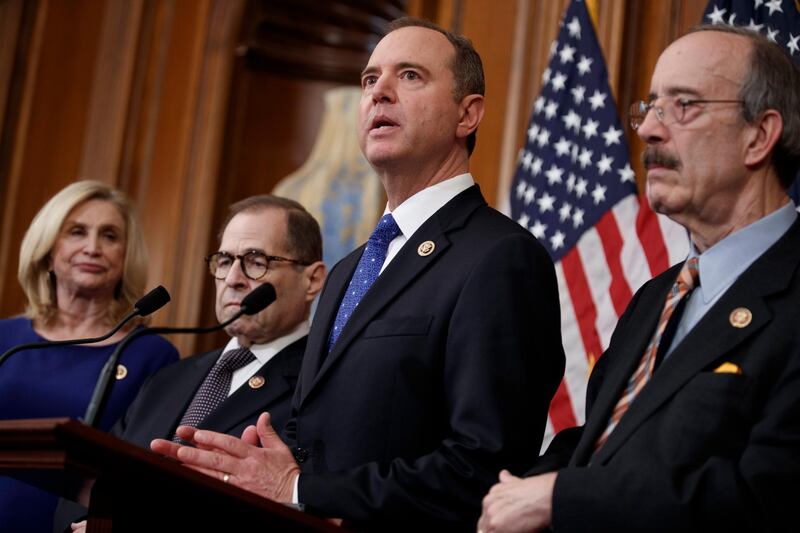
pixel 652 155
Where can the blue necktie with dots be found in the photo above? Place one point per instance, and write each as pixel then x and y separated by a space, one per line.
pixel 369 266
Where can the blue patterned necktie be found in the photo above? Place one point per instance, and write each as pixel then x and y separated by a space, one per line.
pixel 215 387
pixel 369 266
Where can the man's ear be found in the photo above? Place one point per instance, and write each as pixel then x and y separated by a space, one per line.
pixel 471 110
pixel 762 137
pixel 315 275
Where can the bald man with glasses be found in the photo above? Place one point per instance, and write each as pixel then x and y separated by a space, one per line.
pixel 693 412
pixel 265 239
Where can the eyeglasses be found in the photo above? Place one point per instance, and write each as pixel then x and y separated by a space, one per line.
pixel 255 264
pixel 674 111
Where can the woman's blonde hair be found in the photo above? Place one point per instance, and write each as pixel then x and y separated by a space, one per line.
pixel 34 254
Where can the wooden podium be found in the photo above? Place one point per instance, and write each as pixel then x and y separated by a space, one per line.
pixel 136 490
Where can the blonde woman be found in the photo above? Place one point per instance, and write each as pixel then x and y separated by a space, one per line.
pixel 82 266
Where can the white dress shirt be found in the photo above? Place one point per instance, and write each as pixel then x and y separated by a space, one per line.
pixel 415 211
pixel 722 264
pixel 263 353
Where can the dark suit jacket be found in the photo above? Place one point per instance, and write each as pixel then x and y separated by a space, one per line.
pixel 162 400
pixel 697 450
pixel 441 377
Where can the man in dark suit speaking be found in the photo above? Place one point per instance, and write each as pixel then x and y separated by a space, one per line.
pixel 265 239
pixel 693 417
pixel 435 349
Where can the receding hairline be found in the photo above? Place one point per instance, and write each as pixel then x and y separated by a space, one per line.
pixel 256 210
pixel 703 32
pixel 448 60
pixel 720 66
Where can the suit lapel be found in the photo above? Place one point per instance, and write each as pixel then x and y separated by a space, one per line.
pixel 714 335
pixel 246 401
pixel 324 317
pixel 407 265
pixel 630 353
pixel 179 395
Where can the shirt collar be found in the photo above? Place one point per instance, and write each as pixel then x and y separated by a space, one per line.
pixel 724 262
pixel 412 213
pixel 268 350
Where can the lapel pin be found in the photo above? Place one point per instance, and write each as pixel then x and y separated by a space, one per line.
pixel 121 372
pixel 741 317
pixel 426 248
pixel 256 382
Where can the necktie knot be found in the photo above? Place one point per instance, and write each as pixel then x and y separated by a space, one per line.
pixel 233 360
pixel 689 275
pixel 385 231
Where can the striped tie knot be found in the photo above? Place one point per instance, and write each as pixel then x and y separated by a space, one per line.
pixel 689 276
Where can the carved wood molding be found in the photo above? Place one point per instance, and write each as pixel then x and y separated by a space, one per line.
pixel 328 41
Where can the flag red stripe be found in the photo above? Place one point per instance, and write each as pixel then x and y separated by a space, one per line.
pixel 652 239
pixel 562 415
pixel 582 303
pixel 612 241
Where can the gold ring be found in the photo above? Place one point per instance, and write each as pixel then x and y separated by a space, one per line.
pixel 226 478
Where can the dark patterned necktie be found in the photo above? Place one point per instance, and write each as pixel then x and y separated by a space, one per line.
pixel 369 266
pixel 215 387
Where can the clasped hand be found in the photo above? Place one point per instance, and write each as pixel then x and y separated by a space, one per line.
pixel 518 505
pixel 269 470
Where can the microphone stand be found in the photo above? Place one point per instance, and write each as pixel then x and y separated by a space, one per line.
pixel 258 299
pixel 42 344
pixel 102 389
pixel 150 302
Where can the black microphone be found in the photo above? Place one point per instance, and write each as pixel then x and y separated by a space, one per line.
pixel 257 300
pixel 150 302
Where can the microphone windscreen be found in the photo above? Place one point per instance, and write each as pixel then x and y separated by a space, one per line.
pixel 258 299
pixel 152 301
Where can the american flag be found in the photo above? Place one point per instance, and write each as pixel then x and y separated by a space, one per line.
pixel 778 20
pixel 575 191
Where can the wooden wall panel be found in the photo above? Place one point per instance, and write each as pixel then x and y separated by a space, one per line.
pixel 109 99
pixel 161 177
pixel 48 133
pixel 481 21
pixel 11 12
pixel 175 145
pixel 133 93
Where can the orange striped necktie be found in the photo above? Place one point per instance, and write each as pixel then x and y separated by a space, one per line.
pixel 686 281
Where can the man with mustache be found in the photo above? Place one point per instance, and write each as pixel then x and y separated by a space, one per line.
pixel 692 418
pixel 435 349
